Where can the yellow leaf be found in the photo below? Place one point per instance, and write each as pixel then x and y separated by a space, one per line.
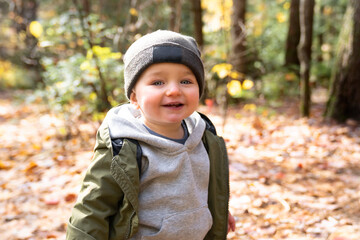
pixel 217 14
pixel 223 69
pixel 250 107
pixel 100 51
pixel 98 116
pixel 112 101
pixel 247 84
pixel 223 73
pixel 63 131
pixel 280 17
pixel 286 6
pixel 236 75
pixel 104 53
pixel 36 147
pixel 85 66
pixel 115 55
pixel 133 12
pixel 89 54
pixel 35 29
pixel 92 96
pixel 234 87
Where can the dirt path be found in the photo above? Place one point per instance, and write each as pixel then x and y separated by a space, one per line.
pixel 291 178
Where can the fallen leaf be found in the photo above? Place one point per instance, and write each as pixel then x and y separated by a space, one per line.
pixel 51 236
pixel 279 175
pixel 71 197
pixel 257 124
pixel 52 201
pixel 4 166
pixel 36 147
pixel 30 167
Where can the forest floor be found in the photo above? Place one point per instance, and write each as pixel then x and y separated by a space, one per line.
pixel 291 177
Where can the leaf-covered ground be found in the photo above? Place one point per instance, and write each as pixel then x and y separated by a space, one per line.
pixel 291 177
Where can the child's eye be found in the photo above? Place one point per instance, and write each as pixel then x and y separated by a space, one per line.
pixel 186 82
pixel 157 83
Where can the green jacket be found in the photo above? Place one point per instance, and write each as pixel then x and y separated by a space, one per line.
pixel 107 206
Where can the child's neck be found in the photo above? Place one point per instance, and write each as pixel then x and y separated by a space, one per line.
pixel 174 131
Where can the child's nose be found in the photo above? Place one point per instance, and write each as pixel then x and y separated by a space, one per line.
pixel 173 89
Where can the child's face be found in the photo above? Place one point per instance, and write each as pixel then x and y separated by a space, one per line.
pixel 166 93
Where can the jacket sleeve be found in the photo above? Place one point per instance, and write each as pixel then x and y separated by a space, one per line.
pixel 99 197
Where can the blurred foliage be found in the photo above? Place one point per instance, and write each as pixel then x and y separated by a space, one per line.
pixel 276 85
pixel 266 32
pixel 12 76
pixel 80 48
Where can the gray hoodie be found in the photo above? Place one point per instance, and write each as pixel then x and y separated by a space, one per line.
pixel 174 179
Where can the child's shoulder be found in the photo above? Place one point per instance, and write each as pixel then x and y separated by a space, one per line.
pixel 209 125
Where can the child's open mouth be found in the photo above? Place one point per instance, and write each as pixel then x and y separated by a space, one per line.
pixel 173 105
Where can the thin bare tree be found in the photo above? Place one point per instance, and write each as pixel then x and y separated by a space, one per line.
pixel 304 52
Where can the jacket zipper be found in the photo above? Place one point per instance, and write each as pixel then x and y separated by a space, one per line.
pixel 130 226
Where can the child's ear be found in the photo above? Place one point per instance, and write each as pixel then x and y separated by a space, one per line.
pixel 133 100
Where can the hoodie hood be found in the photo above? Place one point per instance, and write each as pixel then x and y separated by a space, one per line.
pixel 124 122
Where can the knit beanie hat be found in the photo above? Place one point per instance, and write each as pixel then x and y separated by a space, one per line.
pixel 159 47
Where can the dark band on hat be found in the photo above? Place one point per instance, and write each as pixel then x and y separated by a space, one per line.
pixel 171 54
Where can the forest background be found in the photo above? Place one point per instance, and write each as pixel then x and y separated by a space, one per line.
pixel 282 69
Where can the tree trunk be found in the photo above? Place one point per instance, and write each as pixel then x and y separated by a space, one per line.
pixel 175 15
pixel 30 58
pixel 320 36
pixel 86 7
pixel 133 18
pixel 198 23
pixel 293 37
pixel 304 51
pixel 344 101
pixel 238 35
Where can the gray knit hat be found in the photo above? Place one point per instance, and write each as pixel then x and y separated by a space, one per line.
pixel 158 47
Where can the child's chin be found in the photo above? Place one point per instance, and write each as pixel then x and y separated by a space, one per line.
pixel 173 120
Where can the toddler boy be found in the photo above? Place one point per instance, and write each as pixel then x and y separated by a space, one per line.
pixel 180 187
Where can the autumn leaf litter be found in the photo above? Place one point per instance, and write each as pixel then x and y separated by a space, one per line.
pixel 291 177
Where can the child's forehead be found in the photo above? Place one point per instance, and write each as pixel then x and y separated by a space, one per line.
pixel 168 68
